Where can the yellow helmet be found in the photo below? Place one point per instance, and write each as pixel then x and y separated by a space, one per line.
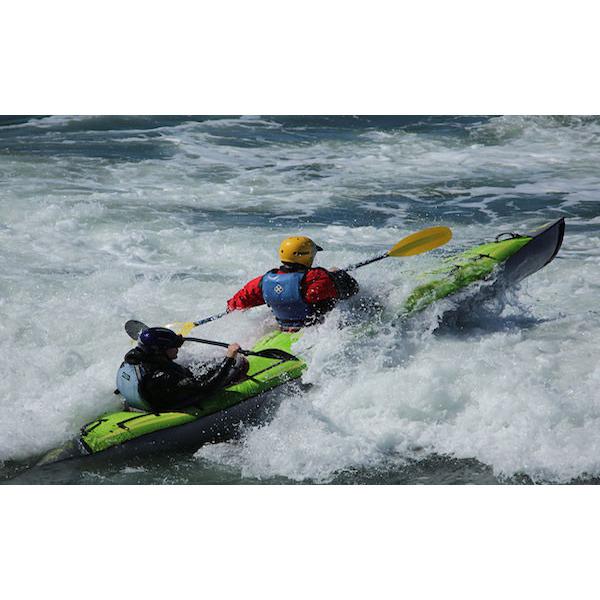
pixel 300 250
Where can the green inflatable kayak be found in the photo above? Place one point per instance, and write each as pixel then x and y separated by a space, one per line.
pixel 510 258
pixel 216 419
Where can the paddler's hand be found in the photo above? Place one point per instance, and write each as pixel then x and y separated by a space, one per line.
pixel 232 350
pixel 334 269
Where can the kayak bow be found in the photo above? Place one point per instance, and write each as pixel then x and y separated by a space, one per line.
pixel 510 259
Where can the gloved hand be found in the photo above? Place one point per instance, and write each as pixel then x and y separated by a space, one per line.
pixel 232 350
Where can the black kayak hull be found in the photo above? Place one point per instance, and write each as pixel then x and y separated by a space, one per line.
pixel 540 251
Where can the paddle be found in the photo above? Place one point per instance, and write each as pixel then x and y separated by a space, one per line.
pixel 273 353
pixel 185 328
pixel 134 328
pixel 416 243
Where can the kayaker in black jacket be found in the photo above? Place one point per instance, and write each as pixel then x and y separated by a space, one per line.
pixel 150 379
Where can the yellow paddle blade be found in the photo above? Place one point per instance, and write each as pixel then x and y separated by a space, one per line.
pixel 181 328
pixel 186 328
pixel 422 241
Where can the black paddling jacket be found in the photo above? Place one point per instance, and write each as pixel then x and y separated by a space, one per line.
pixel 166 385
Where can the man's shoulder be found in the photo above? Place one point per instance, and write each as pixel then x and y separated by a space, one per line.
pixel 317 273
pixel 256 281
pixel 134 357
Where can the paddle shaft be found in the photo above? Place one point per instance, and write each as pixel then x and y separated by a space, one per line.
pixel 210 343
pixel 209 319
pixel 264 354
pixel 366 262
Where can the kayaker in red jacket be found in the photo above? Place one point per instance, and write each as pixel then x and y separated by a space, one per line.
pixel 298 294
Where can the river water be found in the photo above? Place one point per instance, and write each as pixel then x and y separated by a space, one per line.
pixel 103 219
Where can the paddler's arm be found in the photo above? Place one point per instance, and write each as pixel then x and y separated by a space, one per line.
pixel 248 297
pixel 215 377
pixel 188 390
pixel 345 285
pixel 322 285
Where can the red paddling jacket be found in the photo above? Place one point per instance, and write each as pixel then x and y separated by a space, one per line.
pixel 298 296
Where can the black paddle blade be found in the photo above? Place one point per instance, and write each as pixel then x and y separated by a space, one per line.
pixel 134 328
pixel 275 354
